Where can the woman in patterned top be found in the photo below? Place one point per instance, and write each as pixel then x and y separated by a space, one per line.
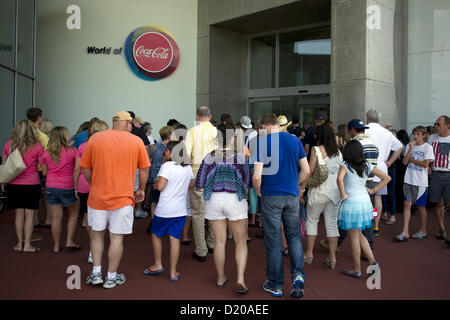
pixel 225 177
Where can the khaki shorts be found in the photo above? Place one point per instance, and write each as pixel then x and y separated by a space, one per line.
pixel 118 221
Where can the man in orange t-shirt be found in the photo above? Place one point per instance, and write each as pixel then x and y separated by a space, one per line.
pixel 109 164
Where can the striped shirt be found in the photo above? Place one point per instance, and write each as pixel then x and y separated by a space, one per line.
pixel 441 150
pixel 370 151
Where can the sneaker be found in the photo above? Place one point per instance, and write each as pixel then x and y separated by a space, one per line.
pixel 111 283
pixel 274 292
pixel 376 232
pixel 94 279
pixel 140 214
pixel 298 287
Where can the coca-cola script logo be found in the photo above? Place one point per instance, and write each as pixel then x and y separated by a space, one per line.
pixel 152 53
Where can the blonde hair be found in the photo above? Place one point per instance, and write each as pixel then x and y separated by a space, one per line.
pixel 97 126
pixel 58 139
pixel 166 132
pixel 46 125
pixel 24 136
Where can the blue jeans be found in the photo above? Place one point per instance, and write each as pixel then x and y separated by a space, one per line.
pixel 276 210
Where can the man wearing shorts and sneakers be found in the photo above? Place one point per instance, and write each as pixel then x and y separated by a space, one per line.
pixel 386 142
pixel 109 164
pixel 440 174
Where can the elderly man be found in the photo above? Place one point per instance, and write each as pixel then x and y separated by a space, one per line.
pixel 440 175
pixel 109 164
pixel 200 140
pixel 385 142
pixel 280 167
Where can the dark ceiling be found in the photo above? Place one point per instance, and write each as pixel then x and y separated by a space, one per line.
pixel 302 12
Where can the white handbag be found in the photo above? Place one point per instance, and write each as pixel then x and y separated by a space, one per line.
pixel 13 167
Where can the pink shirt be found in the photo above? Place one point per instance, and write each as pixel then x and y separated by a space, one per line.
pixel 83 185
pixel 60 175
pixel 30 176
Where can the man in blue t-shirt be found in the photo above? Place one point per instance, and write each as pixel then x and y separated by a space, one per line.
pixel 276 179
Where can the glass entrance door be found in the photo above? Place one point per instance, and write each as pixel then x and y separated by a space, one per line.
pixel 304 105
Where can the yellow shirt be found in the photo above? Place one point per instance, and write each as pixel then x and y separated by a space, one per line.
pixel 200 140
pixel 43 139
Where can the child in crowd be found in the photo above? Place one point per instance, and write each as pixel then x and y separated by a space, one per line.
pixel 418 156
pixel 58 163
pixel 174 179
pixel 356 212
pixel 81 185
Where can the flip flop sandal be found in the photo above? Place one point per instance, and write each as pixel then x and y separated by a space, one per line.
pixel 419 236
pixel 400 238
pixel 221 286
pixel 240 289
pixel 150 272
pixel 176 278
pixel 390 222
pixel 36 250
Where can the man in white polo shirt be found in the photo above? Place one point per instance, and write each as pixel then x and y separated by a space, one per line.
pixel 385 142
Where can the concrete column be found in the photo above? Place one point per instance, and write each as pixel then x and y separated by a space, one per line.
pixel 369 66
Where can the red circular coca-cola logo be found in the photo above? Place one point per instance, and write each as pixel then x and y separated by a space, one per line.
pixel 153 52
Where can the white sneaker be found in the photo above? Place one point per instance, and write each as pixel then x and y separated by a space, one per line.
pixel 111 283
pixel 94 279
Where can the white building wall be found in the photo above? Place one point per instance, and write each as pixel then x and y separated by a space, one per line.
pixel 428 61
pixel 72 86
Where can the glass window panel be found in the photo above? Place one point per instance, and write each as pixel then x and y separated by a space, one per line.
pixel 24 98
pixel 305 57
pixel 7 103
pixel 263 51
pixel 7 37
pixel 260 108
pixel 25 37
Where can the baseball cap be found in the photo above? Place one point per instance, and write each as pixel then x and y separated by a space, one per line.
pixel 139 120
pixel 122 115
pixel 357 124
pixel 246 122
pixel 321 116
pixel 283 121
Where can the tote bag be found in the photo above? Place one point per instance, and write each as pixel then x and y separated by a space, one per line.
pixel 13 167
pixel 320 172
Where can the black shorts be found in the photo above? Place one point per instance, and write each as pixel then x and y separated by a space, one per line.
pixel 83 202
pixel 23 196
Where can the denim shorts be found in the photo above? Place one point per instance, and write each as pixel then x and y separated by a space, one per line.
pixel 60 197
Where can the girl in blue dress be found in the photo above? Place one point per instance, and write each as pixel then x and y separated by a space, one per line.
pixel 356 211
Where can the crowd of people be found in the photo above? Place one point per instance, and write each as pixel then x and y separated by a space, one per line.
pixel 217 178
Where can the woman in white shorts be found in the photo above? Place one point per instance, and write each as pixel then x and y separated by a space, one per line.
pixel 225 177
pixel 325 197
